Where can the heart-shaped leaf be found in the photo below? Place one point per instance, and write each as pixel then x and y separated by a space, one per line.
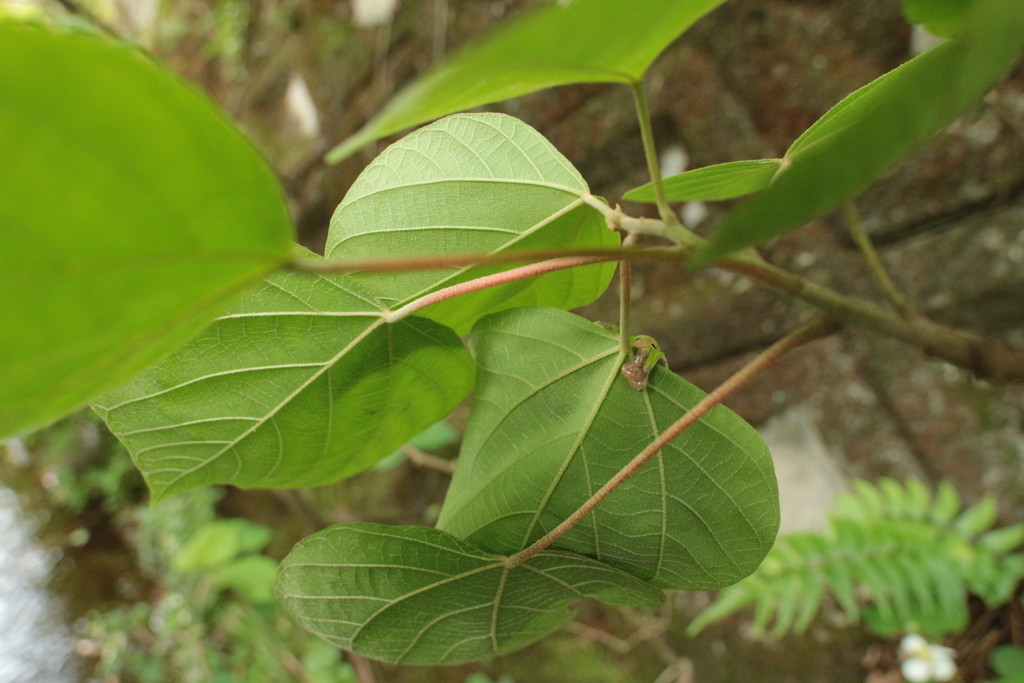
pixel 712 183
pixel 412 595
pixel 583 41
pixel 553 420
pixel 873 128
pixel 131 214
pixel 301 384
pixel 473 183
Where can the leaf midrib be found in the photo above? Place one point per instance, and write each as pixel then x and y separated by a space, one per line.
pixel 533 229
pixel 584 432
pixel 580 366
pixel 574 191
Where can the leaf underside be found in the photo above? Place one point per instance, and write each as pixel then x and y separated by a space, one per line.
pixel 471 183
pixel 98 281
pixel 585 41
pixel 412 595
pixel 553 420
pixel 301 384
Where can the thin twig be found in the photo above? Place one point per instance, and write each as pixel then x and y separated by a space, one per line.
pixel 680 671
pixel 860 236
pixel 364 672
pixel 649 629
pixel 625 294
pixel 422 459
pixel 440 29
pixel 643 114
pixel 73 7
pixel 816 328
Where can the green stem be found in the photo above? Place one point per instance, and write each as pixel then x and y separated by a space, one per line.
pixel 650 151
pixel 625 285
pixel 816 328
pixel 860 236
pixel 625 296
pixel 617 220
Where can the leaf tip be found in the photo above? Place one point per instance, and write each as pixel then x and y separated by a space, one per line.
pixel 644 193
pixel 347 148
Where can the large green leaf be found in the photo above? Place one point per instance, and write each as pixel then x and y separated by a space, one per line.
pixel 712 183
pixel 583 41
pixel 873 128
pixel 131 214
pixel 941 17
pixel 553 420
pixel 301 384
pixel 412 595
pixel 472 183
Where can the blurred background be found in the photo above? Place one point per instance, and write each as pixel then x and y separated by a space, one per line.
pixel 95 585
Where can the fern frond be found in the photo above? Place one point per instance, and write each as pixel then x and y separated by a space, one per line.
pixel 894 556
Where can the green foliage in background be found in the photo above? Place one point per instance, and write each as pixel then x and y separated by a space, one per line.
pixel 200 627
pixel 1008 662
pixel 894 556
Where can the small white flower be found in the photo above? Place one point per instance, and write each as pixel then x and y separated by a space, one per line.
pixel 370 13
pixel 923 662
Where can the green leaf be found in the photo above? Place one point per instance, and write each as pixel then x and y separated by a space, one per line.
pixel 870 498
pixel 729 601
pixel 876 126
pixel 919 499
pixel 946 505
pixel 553 420
pixel 218 542
pixel 1008 660
pixel 791 590
pixel 1003 540
pixel 437 435
pixel 131 214
pixel 941 17
pixel 978 518
pixel 584 41
pixel 896 499
pixel 810 601
pixel 473 183
pixel 251 576
pixel 301 384
pixel 842 584
pixel 412 595
pixel 712 183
